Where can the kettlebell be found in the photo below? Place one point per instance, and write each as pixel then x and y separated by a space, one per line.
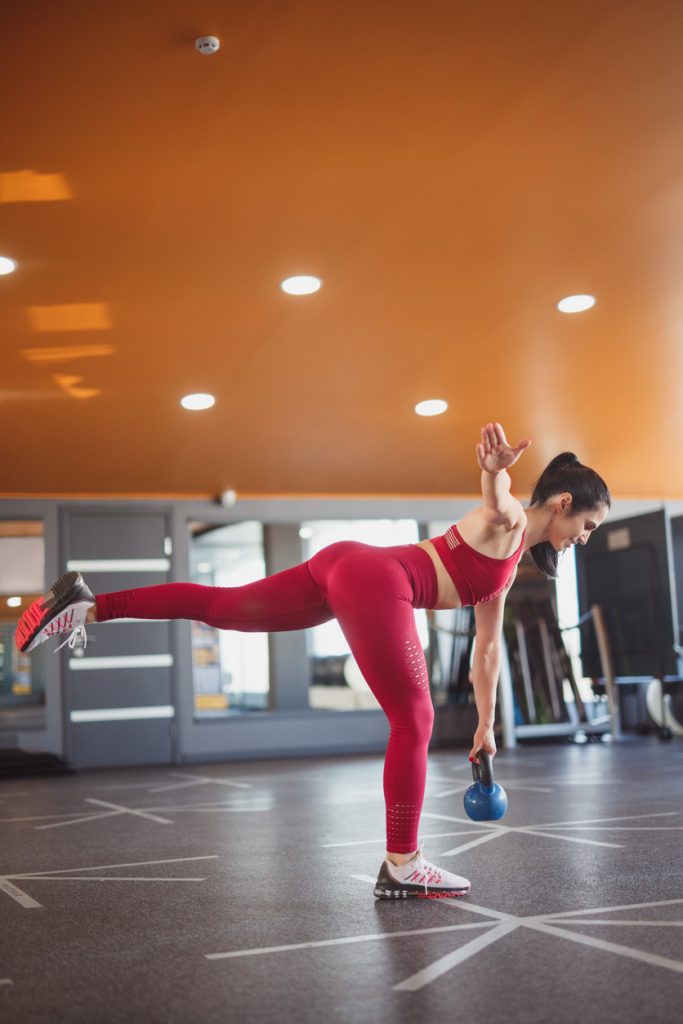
pixel 485 800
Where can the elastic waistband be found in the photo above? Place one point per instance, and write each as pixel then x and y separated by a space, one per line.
pixel 421 572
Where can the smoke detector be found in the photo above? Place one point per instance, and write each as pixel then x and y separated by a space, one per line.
pixel 207 44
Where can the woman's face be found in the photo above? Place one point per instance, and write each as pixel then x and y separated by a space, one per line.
pixel 568 527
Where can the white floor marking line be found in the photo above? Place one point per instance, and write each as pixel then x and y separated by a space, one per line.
pixel 19 896
pixel 345 941
pixel 457 819
pixel 158 785
pixel 47 817
pixel 6 981
pixel 252 803
pixel 607 910
pixel 610 947
pixel 622 828
pixel 129 810
pixel 527 789
pixel 65 875
pixel 569 839
pixel 79 815
pixel 78 821
pixel 121 785
pixel 593 821
pixel 256 804
pixel 198 780
pixel 117 811
pixel 475 908
pixel 428 974
pixel 111 878
pixel 630 924
pixel 110 867
pixel 563 780
pixel 475 842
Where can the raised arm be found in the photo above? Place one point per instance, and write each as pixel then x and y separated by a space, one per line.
pixel 494 456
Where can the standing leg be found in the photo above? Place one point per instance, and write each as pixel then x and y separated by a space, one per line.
pixel 370 595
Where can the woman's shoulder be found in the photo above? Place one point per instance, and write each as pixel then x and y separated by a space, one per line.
pixel 497 541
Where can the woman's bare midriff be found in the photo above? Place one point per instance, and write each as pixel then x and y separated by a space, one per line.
pixel 448 596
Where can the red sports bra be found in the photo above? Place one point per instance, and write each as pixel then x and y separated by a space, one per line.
pixel 476 577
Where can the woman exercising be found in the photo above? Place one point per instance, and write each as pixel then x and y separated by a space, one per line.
pixel 372 592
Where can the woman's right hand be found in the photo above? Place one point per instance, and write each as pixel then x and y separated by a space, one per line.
pixel 494 453
pixel 483 740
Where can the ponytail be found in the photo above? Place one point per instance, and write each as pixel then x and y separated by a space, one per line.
pixel 588 490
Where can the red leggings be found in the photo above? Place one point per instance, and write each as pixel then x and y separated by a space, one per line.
pixel 372 592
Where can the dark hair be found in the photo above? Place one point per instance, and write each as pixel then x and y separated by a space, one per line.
pixel 588 490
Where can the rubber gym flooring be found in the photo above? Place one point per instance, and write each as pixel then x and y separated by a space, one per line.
pixel 244 892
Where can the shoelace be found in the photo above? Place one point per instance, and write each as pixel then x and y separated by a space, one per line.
pixel 425 867
pixel 430 870
pixel 78 638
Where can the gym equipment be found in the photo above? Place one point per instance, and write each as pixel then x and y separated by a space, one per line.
pixel 485 800
pixel 659 706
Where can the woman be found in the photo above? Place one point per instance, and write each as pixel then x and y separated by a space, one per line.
pixel 372 592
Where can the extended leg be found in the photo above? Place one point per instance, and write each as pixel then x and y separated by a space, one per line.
pixel 285 601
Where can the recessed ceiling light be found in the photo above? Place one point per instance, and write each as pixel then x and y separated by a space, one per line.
pixel 7 266
pixel 197 401
pixel 14 602
pixel 432 407
pixel 301 285
pixel 576 303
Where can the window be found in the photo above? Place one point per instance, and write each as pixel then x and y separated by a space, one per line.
pixel 336 681
pixel 22 581
pixel 230 669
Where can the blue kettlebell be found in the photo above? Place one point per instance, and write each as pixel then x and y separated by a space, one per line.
pixel 485 800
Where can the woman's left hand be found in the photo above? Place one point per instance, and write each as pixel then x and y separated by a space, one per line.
pixel 494 453
pixel 483 740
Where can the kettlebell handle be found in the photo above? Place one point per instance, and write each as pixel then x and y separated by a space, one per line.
pixel 483 772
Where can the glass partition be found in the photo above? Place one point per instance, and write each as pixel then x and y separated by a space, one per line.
pixel 336 680
pixel 22 581
pixel 230 670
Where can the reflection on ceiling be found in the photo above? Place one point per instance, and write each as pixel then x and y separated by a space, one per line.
pixel 83 316
pixel 66 353
pixel 32 187
pixel 73 387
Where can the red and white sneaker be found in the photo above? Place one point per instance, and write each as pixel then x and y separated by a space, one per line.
pixel 62 610
pixel 418 879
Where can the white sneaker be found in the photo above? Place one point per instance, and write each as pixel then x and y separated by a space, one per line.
pixel 62 610
pixel 418 878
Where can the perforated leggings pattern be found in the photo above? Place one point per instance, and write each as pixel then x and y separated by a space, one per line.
pixel 372 592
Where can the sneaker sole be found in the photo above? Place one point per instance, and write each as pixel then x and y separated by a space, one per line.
pixel 434 894
pixel 42 612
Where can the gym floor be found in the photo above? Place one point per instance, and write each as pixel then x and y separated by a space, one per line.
pixel 244 891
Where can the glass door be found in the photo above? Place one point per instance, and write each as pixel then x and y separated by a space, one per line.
pixel 22 581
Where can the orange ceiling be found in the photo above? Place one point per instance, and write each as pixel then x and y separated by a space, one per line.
pixel 449 169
